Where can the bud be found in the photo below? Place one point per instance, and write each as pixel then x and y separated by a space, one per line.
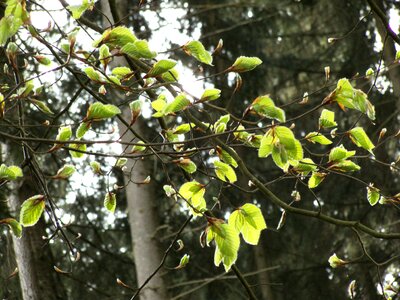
pixel 335 261
pixel 327 72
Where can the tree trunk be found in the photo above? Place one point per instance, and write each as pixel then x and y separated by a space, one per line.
pixel 37 277
pixel 141 201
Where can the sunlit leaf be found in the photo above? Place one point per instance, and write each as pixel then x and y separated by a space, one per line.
pixel 110 202
pixel 315 137
pixel 31 210
pixel 99 111
pixel 244 64
pixel 197 50
pixel 361 139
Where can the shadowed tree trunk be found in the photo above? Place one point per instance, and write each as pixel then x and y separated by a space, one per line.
pixel 141 199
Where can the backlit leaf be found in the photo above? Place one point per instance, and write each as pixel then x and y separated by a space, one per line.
pixel 31 210
pixel 197 50
pixel 244 64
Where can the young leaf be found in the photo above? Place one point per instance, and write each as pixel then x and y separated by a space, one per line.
pixel 64 133
pixel 210 95
pixel 327 119
pixel 197 50
pixel 98 111
pixel 305 166
pixel 78 10
pixel 139 49
pixel 187 165
pixel 82 129
pixel 193 192
pixel 170 76
pixel 315 179
pixel 65 172
pixel 249 221
pixel 10 173
pixel 110 202
pixel 43 60
pixel 104 55
pixel 265 107
pixel 96 167
pixel 373 195
pixel 266 145
pixel 31 210
pixel 15 226
pixel 340 153
pixel 121 72
pixel 345 166
pixel 161 67
pixel 315 137
pixel 121 162
pixel 178 104
pixel 224 171
pixel 361 139
pixel 335 261
pixel 244 64
pixel 42 106
pixel 116 37
pixel 226 157
pixel 184 261
pixel 227 244
pixel 76 154
pixel 94 75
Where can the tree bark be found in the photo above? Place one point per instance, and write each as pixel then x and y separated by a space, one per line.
pixel 141 200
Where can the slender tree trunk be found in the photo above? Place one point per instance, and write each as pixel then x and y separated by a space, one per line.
pixel 37 277
pixel 141 201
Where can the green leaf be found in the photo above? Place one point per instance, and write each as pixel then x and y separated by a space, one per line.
pixel 249 221
pixel 335 261
pixel 179 103
pixel 80 147
pixel 78 10
pixel 98 111
pixel 193 192
pixel 43 60
pixel 161 67
pixel 10 173
pixel 244 64
pixel 116 37
pixel 139 49
pixel 315 137
pixel 138 148
pixel 104 55
pixel 226 157
pixel 184 128
pixel 361 139
pixel 327 119
pixel 96 167
pixel 266 145
pixel 315 179
pixel 220 125
pixel 121 162
pixel 197 50
pixel 31 210
pixel 340 153
pixel 94 75
pixel 225 172
pixel 210 95
pixel 42 106
pixel 15 226
pixel 227 244
pixel 373 195
pixel 187 165
pixel 265 106
pixel 65 172
pixel 110 202
pixel 82 129
pixel 171 76
pixel 121 72
pixel 345 166
pixel 184 261
pixel 280 156
pixel 305 166
pixel 64 133
pixel 285 136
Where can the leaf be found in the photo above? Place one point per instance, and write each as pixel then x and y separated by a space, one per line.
pixel 98 111
pixel 78 10
pixel 171 76
pixel 227 244
pixel 138 148
pixel 327 119
pixel 136 109
pixel 104 55
pixel 244 64
pixel 226 157
pixel 210 95
pixel 345 166
pixel 188 165
pixel 220 125
pixel 80 147
pixel 96 167
pixel 184 261
pixel 31 210
pixel 121 162
pixel 15 226
pixel 225 172
pixel 110 202
pixel 82 129
pixel 361 139
pixel 65 172
pixel 43 60
pixel 285 136
pixel 280 156
pixel 161 67
pixel 93 74
pixel 178 104
pixel 335 261
pixel 184 128
pixel 116 37
pixel 315 137
pixel 340 153
pixel 249 221
pixel 373 195
pixel 42 106
pixel 121 72
pixel 305 166
pixel 64 133
pixel 193 192
pixel 265 106
pixel 197 50
pixel 266 145
pixel 139 49
pixel 315 179
pixel 10 173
